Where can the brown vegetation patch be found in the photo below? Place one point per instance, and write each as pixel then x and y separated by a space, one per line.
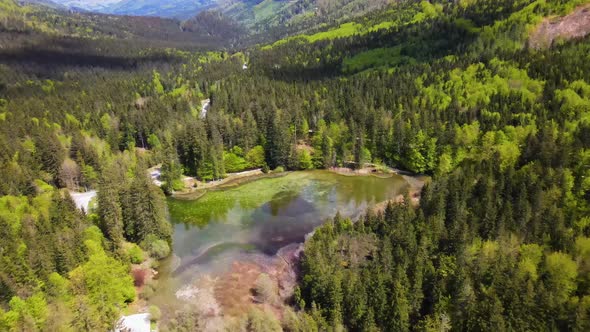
pixel 139 277
pixel 574 25
pixel 233 290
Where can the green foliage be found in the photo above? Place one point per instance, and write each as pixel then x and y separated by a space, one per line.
pixel 421 156
pixel 156 248
pixel 135 254
pixel 562 276
pixel 304 159
pixel 171 174
pixel 255 157
pixel 28 314
pixel 157 84
pixel 499 240
pixel 105 286
pixel 155 313
pixel 262 321
pixel 233 162
pixel 429 11
pixel 375 59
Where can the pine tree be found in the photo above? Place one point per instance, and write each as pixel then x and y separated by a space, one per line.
pixel 110 215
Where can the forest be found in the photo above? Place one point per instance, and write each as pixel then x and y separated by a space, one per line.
pixel 499 241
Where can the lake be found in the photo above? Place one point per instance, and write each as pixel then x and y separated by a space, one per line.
pixel 262 216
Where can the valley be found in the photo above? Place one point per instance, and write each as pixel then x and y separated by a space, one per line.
pixel 295 166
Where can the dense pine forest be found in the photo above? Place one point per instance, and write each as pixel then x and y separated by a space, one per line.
pixel 469 92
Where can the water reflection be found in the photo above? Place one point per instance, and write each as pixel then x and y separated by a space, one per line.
pixel 268 214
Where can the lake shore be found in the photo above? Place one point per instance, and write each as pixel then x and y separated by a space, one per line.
pixel 416 182
pixel 195 189
pixel 233 180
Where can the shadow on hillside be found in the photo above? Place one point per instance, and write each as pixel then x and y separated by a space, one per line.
pixel 53 59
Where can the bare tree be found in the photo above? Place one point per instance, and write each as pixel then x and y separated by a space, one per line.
pixel 69 174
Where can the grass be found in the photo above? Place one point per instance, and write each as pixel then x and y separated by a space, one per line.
pixel 375 58
pixel 344 30
pixel 217 203
pixel 266 9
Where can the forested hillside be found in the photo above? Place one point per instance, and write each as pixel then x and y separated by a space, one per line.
pixel 36 23
pixel 500 239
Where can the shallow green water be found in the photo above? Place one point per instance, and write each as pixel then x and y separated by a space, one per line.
pixel 267 214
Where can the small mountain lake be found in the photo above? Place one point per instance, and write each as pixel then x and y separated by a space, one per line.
pixel 261 217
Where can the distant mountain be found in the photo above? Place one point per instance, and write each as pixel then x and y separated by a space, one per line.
pixel 214 24
pixel 171 8
pixel 45 3
pixel 89 5
pixel 287 16
pixel 279 17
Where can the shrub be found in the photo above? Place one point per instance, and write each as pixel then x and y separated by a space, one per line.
pixel 139 276
pixel 255 157
pixel 135 254
pixel 304 159
pixel 148 291
pixel 266 289
pixel 262 321
pixel 265 168
pixel 156 248
pixel 155 313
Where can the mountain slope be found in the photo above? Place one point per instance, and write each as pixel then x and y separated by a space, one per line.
pixel 90 5
pixel 258 14
pixel 174 8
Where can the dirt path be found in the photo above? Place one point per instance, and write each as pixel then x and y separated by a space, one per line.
pixel 82 200
pixel 229 178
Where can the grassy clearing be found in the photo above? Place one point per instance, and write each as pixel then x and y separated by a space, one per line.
pixel 344 30
pixel 266 9
pixel 375 58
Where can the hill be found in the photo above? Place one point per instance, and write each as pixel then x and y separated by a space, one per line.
pixel 37 18
pixel 298 14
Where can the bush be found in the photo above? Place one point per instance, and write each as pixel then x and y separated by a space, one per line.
pixel 255 157
pixel 135 254
pixel 148 291
pixel 265 168
pixel 279 169
pixel 177 185
pixel 156 248
pixel 155 313
pixel 262 321
pixel 233 162
pixel 266 289
pixel 139 276
pixel 304 160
